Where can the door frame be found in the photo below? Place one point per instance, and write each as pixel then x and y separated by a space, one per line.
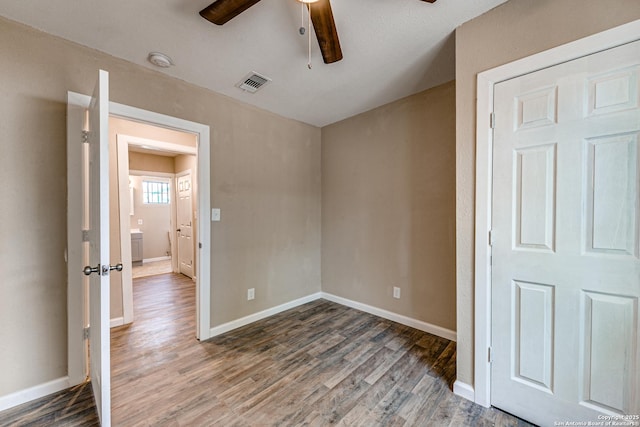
pixel 480 393
pixel 75 295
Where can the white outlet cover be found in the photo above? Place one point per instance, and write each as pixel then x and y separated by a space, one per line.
pixel 215 214
pixel 396 292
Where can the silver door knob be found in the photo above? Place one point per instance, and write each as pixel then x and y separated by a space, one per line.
pixel 88 270
pixel 117 267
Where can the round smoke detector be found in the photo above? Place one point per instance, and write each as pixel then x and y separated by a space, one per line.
pixel 160 60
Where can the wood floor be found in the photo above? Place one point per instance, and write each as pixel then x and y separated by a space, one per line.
pixel 316 365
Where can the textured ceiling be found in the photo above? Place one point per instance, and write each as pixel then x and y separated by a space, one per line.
pixel 392 48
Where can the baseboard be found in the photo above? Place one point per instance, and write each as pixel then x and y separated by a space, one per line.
pixel 404 320
pixel 32 393
pixel 234 324
pixel 117 321
pixel 160 258
pixel 464 390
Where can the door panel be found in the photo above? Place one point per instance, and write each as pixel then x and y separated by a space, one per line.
pixel 565 226
pixel 99 345
pixel 609 342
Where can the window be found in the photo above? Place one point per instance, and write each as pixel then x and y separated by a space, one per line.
pixel 155 193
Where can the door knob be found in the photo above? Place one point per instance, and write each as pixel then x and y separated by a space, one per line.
pixel 104 270
pixel 88 270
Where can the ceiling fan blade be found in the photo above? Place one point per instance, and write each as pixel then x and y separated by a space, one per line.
pixel 325 28
pixel 222 11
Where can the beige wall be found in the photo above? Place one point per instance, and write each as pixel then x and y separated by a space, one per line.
pixel 150 162
pixel 156 220
pixel 265 178
pixel 388 207
pixel 514 30
pixel 185 162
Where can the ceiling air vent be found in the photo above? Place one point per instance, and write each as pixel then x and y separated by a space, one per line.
pixel 252 82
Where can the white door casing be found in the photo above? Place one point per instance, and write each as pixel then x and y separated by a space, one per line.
pixel 184 209
pixel 565 233
pixel 99 334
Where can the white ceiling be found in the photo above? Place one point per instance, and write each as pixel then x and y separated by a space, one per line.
pixel 392 48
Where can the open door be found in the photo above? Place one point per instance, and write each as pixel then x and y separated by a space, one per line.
pixel 97 136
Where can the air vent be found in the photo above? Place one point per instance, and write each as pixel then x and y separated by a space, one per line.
pixel 252 82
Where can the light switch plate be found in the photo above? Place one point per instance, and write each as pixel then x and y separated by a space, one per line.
pixel 215 214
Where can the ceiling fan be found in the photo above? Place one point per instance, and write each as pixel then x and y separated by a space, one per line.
pixel 222 11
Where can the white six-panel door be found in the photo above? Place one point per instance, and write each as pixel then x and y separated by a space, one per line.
pixel 566 233
pixel 185 225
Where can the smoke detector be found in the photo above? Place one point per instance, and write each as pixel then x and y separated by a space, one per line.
pixel 160 60
pixel 252 82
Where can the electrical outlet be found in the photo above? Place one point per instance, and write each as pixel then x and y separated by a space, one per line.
pixel 251 294
pixel 140 222
pixel 396 292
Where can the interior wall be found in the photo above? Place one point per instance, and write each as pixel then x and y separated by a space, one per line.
pixel 150 162
pixel 156 219
pixel 388 207
pixel 516 29
pixel 265 178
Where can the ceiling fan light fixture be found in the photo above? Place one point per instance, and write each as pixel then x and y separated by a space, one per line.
pixel 307 1
pixel 159 60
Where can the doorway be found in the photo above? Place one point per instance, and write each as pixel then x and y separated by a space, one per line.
pixel 151 162
pixel 76 293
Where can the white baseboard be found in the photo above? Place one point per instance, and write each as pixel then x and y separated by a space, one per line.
pixel 464 390
pixel 404 320
pixel 117 321
pixel 234 324
pixel 160 258
pixel 32 393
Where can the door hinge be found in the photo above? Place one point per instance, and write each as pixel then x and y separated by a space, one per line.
pixel 85 333
pixel 489 355
pixel 85 137
pixel 492 120
pixel 491 241
pixel 199 245
pixel 85 235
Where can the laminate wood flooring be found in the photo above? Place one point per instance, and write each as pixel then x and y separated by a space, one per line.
pixel 315 365
pixel 71 407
